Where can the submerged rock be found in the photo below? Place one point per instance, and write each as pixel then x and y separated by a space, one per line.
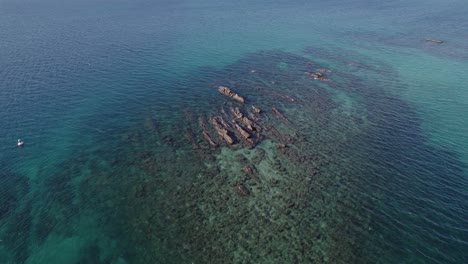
pixel 205 133
pixel 208 139
pixel 323 70
pixel 434 40
pixel 242 190
pixel 250 170
pixel 256 110
pixel 279 114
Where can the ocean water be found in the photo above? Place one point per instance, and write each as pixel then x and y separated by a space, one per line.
pixel 115 101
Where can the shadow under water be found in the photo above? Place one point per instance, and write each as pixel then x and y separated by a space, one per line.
pixel 273 159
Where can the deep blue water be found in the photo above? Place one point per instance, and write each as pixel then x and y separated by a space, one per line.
pixel 104 92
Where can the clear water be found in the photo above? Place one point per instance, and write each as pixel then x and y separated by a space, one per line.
pixel 107 96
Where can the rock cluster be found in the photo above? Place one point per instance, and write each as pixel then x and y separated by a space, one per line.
pixel 231 124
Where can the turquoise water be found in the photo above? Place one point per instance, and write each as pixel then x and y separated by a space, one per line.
pixel 109 98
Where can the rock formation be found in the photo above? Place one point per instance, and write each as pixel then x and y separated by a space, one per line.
pixel 222 129
pixel 256 110
pixel 318 75
pixel 226 91
pixel 249 124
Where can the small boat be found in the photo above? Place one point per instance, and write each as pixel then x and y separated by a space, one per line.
pixel 20 143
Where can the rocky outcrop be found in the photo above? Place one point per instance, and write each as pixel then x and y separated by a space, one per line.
pixel 226 91
pixel 318 75
pixel 253 117
pixel 221 128
pixel 245 135
pixel 237 113
pixel 249 124
pixel 256 110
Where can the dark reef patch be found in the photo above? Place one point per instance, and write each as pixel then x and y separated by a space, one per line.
pixel 17 229
pixel 199 200
pixel 12 188
pixel 301 170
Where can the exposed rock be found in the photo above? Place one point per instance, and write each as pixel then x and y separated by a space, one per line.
pixel 434 40
pixel 224 123
pixel 249 124
pixel 241 131
pixel 316 75
pixel 245 135
pixel 226 91
pixel 255 109
pixel 237 113
pixel 221 128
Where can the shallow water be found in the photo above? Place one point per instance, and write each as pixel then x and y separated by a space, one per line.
pixel 112 100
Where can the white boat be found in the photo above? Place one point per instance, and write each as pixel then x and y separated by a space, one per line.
pixel 20 143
